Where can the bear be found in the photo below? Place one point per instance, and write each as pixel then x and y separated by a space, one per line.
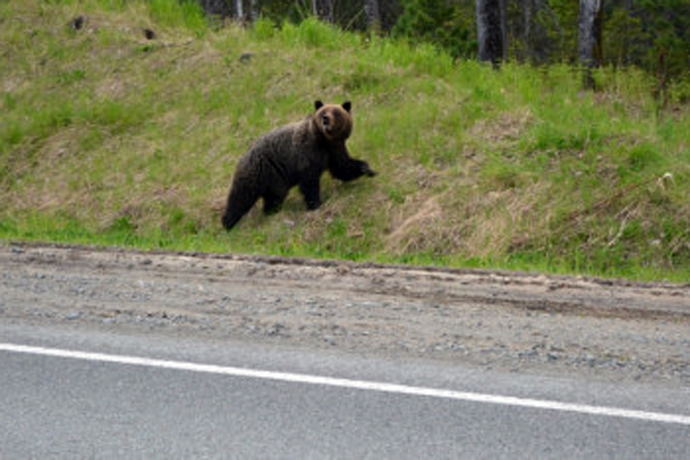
pixel 295 155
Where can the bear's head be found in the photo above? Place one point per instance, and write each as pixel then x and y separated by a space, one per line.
pixel 333 121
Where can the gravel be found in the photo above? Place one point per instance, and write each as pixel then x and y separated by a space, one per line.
pixel 511 321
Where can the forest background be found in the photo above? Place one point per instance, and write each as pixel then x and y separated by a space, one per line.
pixel 651 34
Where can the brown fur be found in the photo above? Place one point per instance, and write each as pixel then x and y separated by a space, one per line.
pixel 295 154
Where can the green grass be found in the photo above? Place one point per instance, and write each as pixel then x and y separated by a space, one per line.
pixel 108 138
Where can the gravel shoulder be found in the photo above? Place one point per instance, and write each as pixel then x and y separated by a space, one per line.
pixel 509 321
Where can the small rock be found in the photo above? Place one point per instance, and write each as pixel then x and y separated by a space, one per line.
pixel 277 329
pixel 78 22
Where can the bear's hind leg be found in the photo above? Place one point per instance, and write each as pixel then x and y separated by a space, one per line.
pixel 239 203
pixel 273 202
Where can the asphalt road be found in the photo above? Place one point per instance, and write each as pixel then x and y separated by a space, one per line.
pixel 156 396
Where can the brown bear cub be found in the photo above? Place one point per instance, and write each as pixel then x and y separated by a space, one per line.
pixel 295 154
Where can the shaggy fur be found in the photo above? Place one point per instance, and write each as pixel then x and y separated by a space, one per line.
pixel 296 154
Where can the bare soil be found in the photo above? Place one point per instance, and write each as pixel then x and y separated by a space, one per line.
pixel 502 320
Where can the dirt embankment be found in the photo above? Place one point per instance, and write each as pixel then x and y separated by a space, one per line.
pixel 504 320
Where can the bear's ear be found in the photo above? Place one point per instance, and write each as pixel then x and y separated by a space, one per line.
pixel 347 105
pixel 318 104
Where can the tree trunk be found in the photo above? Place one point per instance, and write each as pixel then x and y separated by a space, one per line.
pixel 538 43
pixel 527 17
pixel 490 32
pixel 504 28
pixel 239 10
pixel 373 13
pixel 589 37
pixel 216 8
pixel 254 10
pixel 323 9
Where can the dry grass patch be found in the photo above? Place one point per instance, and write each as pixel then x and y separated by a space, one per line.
pixel 504 130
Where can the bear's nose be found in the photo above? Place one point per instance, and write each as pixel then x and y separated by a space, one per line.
pixel 325 120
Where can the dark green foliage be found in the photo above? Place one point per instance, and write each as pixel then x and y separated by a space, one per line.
pixel 285 10
pixel 624 38
pixel 653 34
pixel 448 24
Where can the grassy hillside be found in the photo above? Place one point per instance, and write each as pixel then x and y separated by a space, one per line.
pixel 107 137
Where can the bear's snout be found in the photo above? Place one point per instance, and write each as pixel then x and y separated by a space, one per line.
pixel 325 120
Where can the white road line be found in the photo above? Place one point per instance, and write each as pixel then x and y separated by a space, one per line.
pixel 352 384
